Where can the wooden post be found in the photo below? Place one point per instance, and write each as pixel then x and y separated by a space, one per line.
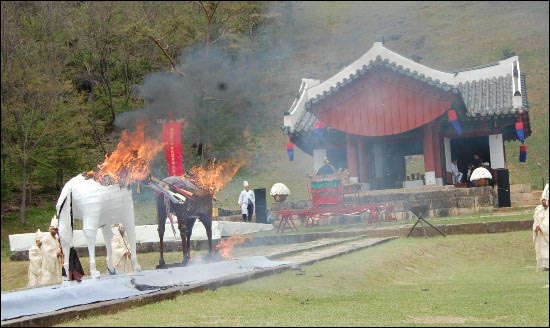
pixel 362 154
pixel 351 145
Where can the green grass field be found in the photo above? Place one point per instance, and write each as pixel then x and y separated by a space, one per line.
pixel 462 280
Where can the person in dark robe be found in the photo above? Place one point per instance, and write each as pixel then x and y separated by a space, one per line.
pixel 76 272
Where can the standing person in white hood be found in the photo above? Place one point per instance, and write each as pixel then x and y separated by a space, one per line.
pixel 247 202
pixel 52 256
pixel 35 261
pixel 122 255
pixel 540 231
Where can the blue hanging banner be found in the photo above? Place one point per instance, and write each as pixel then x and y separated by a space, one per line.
pixel 290 150
pixel 454 121
pixel 522 153
pixel 520 132
pixel 319 131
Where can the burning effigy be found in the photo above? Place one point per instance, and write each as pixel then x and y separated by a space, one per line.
pixel 101 198
pixel 190 198
pixel 130 160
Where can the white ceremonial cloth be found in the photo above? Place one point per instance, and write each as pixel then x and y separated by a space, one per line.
pixel 35 266
pixel 540 218
pixel 121 261
pixel 51 263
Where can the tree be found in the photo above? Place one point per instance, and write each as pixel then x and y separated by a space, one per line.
pixel 36 98
pixel 213 88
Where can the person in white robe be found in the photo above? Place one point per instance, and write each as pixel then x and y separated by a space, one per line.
pixel 52 256
pixel 247 202
pixel 121 251
pixel 540 231
pixel 457 175
pixel 35 261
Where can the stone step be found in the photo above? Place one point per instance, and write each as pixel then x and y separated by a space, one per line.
pixel 310 257
pixel 526 196
pixel 531 202
pixel 522 187
pixel 273 252
pixel 536 194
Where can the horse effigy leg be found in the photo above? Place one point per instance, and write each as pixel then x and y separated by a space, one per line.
pixel 108 237
pixel 66 247
pixel 207 223
pixel 161 264
pixel 90 235
pixel 161 221
pixel 189 224
pixel 182 227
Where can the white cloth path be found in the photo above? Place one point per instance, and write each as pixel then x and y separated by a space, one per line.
pixel 39 300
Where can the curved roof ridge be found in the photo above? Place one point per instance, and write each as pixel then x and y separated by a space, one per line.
pixel 455 71
pixel 376 53
pixel 501 68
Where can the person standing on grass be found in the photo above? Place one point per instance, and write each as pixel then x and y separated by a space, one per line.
pixel 122 256
pixel 52 259
pixel 247 202
pixel 35 261
pixel 540 231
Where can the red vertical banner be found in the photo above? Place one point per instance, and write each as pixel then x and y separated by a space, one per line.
pixel 171 138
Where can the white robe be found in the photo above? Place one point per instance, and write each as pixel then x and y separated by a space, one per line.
pixel 243 200
pixel 540 218
pixel 35 266
pixel 51 263
pixel 120 246
pixel 456 173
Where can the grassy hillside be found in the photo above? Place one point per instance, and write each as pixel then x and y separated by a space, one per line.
pixel 325 36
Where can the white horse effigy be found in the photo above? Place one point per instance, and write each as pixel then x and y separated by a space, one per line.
pixel 98 207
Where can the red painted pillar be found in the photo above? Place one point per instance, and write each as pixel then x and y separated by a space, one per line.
pixel 362 154
pixel 351 146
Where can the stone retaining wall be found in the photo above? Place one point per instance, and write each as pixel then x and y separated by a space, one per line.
pixel 442 201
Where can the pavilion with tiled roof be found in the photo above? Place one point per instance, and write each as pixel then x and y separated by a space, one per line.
pixel 384 107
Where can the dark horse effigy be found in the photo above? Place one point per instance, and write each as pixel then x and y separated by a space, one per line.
pixel 197 205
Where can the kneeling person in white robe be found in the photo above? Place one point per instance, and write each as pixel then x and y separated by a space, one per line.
pixel 121 251
pixel 35 261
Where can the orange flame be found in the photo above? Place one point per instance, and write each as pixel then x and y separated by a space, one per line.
pixel 130 160
pixel 214 176
pixel 225 246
